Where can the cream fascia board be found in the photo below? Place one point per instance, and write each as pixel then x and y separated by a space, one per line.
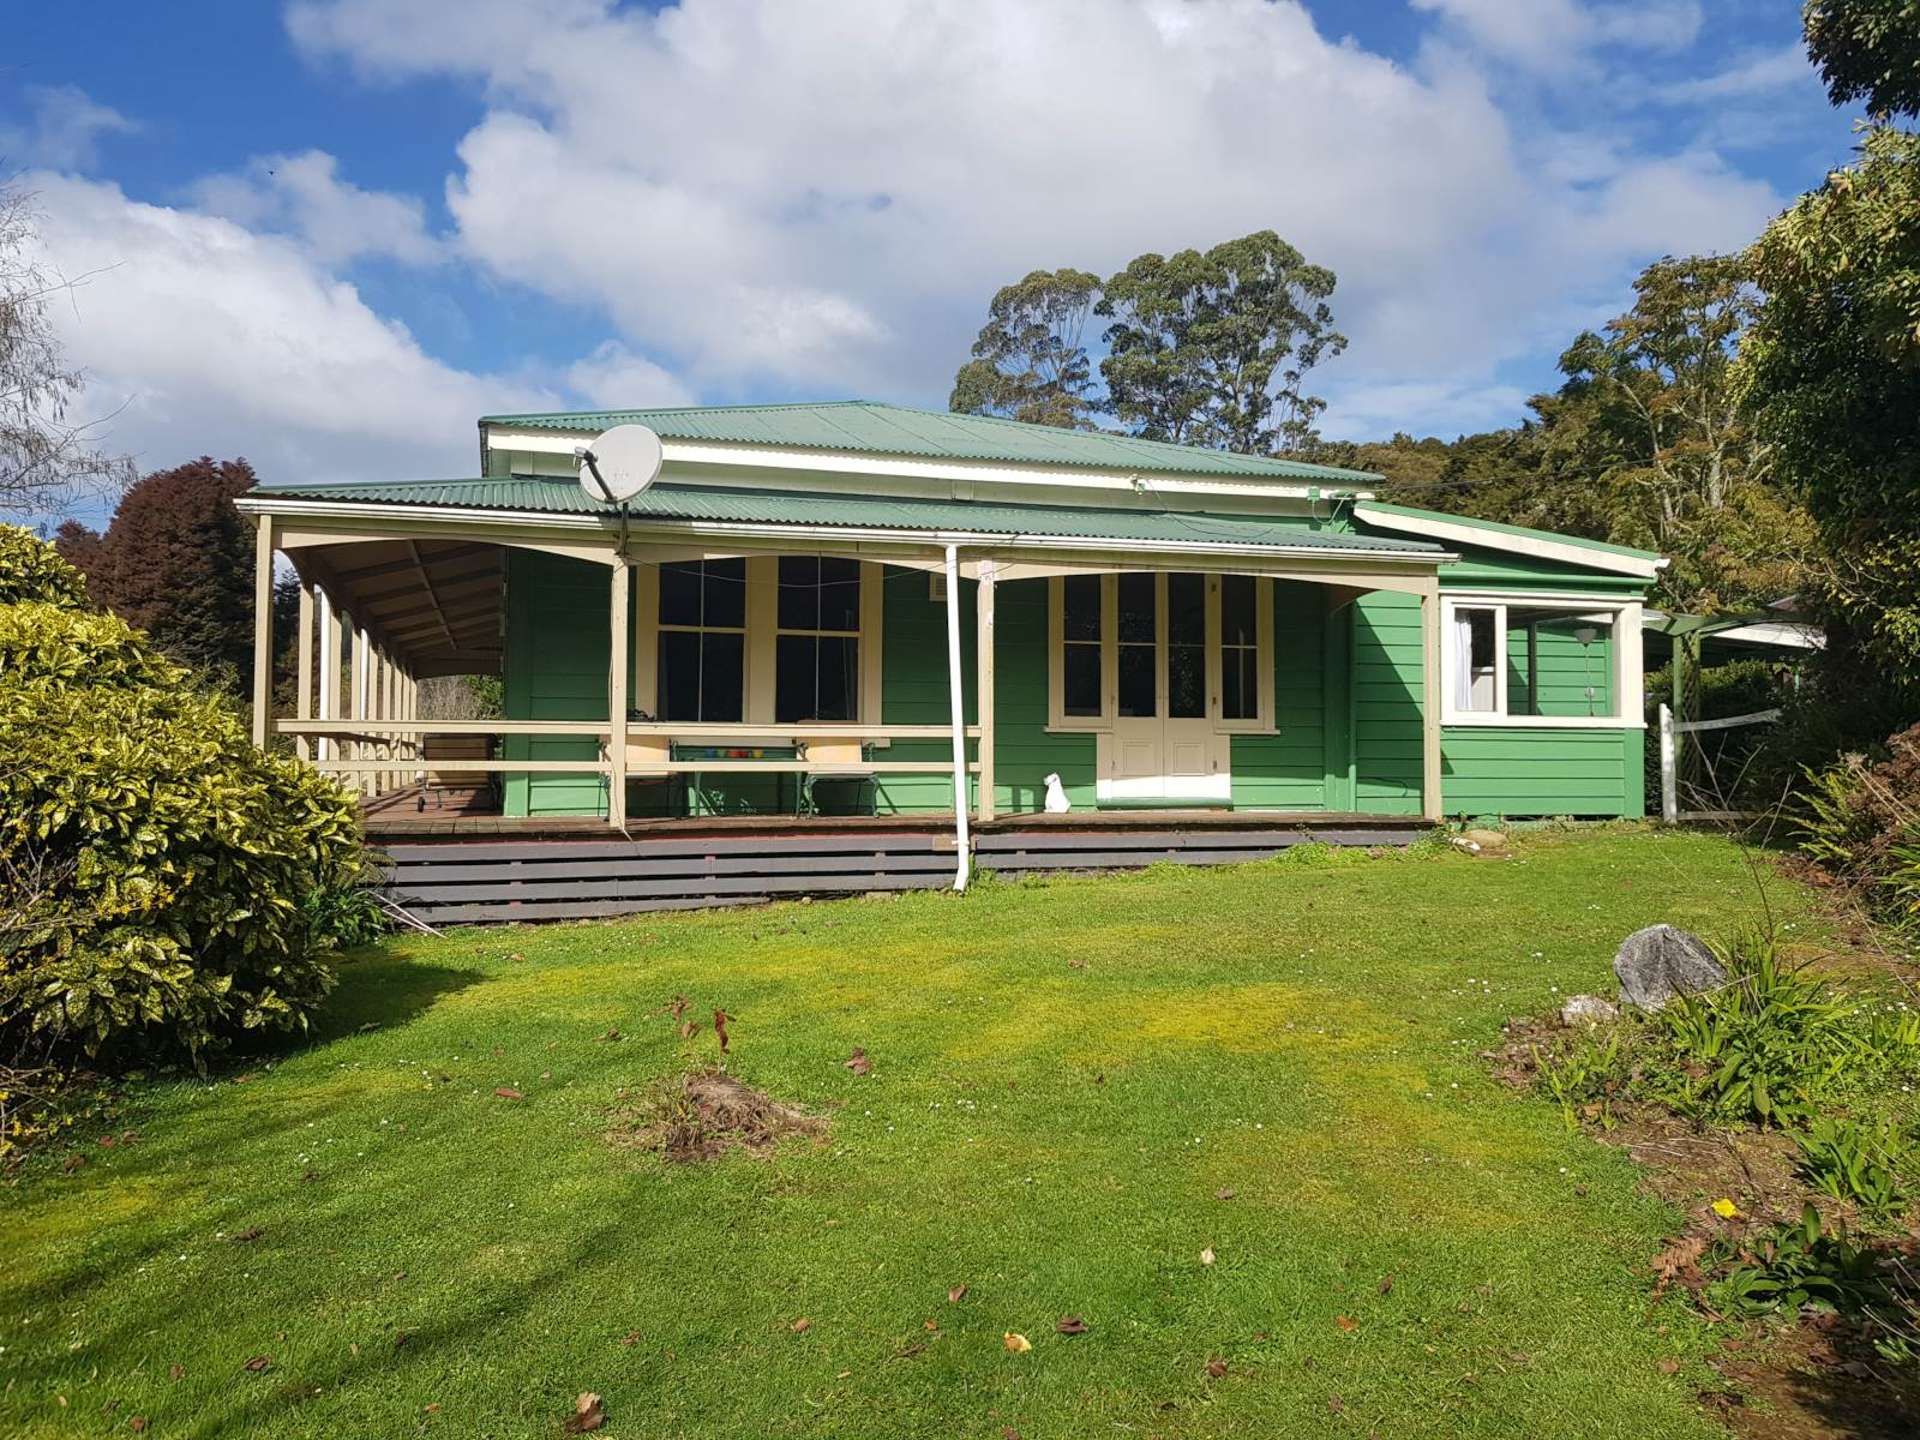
pixel 700 453
pixel 1464 532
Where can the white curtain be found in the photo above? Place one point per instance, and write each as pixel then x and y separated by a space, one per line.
pixel 1462 661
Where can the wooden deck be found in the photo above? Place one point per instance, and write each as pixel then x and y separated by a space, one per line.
pixel 455 865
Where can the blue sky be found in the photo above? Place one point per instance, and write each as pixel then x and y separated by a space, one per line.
pixel 329 234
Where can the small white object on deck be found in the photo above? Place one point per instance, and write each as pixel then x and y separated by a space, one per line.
pixel 1057 803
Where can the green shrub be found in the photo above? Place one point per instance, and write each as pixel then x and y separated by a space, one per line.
pixel 1800 1266
pixel 1853 1161
pixel 1763 1046
pixel 163 884
pixel 31 569
pixel 1859 820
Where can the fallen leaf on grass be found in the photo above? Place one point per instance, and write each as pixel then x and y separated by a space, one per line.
pixel 72 1163
pixel 1216 1367
pixel 1071 1325
pixel 588 1414
pixel 259 1363
pixel 956 1294
pixel 688 1029
pixel 1669 1367
pixel 1016 1342
pixel 507 1092
pixel 400 1338
pixel 932 1326
pixel 433 1409
pixel 252 1232
pixel 1076 964
pixel 1336 1404
pixel 1206 1256
pixel 858 1062
pixel 630 1339
pixel 801 1326
pixel 1225 1192
pixel 720 1028
pixel 677 1006
pixel 1386 1284
pixel 611 1036
pixel 137 1423
pixel 176 1372
pixel 1679 1261
pixel 1345 1322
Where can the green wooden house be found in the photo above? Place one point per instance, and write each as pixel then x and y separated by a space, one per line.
pixel 814 604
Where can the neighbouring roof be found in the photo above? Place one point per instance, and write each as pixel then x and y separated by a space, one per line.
pixel 866 426
pixel 703 503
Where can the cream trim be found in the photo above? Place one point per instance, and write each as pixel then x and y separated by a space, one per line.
pixel 1464 532
pixel 535 440
pixel 1628 681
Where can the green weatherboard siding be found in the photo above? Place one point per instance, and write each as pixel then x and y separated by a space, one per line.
pixel 1347 692
pixel 555 669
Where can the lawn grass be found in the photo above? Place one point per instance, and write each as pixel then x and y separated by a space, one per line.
pixel 1409 1248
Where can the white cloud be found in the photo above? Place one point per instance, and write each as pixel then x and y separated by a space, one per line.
pixel 819 200
pixel 614 378
pixel 304 195
pixel 209 338
pixel 65 130
pixel 1556 34
pixel 1767 73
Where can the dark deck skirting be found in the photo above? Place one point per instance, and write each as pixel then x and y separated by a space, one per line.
pixel 532 871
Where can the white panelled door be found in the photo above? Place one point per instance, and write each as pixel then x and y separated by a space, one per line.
pixel 1163 746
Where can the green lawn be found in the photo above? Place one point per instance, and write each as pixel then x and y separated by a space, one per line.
pixel 1052 1136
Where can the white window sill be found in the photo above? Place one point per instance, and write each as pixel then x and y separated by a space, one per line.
pixel 1539 722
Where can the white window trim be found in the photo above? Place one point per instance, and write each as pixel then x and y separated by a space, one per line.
pixel 1059 722
pixel 1628 682
pixel 763 616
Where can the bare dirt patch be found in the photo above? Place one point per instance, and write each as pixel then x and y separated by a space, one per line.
pixel 706 1114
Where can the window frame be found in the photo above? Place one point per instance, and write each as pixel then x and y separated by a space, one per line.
pixel 662 627
pixel 1625 681
pixel 762 629
pixel 857 634
pixel 1058 721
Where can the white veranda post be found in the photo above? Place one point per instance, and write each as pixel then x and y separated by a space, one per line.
pixel 960 798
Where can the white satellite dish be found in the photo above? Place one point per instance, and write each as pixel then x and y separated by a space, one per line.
pixel 619 464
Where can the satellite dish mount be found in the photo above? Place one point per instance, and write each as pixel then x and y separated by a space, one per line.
pixel 618 465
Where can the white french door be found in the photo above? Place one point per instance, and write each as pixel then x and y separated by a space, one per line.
pixel 1163 746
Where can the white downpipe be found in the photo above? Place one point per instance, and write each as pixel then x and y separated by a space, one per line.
pixel 329 696
pixel 960 796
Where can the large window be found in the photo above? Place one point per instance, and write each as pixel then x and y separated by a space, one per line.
pixel 703 640
pixel 1527 661
pixel 1172 646
pixel 817 643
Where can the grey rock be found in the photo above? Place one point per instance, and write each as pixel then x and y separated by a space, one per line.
pixel 1588 1010
pixel 1662 961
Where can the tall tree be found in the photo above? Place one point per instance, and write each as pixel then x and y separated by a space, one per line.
pixel 1867 50
pixel 45 455
pixel 1834 372
pixel 1197 341
pixel 177 561
pixel 1028 362
pixel 1651 410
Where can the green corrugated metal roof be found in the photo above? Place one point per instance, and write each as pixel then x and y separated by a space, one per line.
pixel 690 502
pixel 866 426
pixel 1499 529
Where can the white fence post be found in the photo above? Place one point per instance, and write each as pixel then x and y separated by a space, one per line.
pixel 1669 771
